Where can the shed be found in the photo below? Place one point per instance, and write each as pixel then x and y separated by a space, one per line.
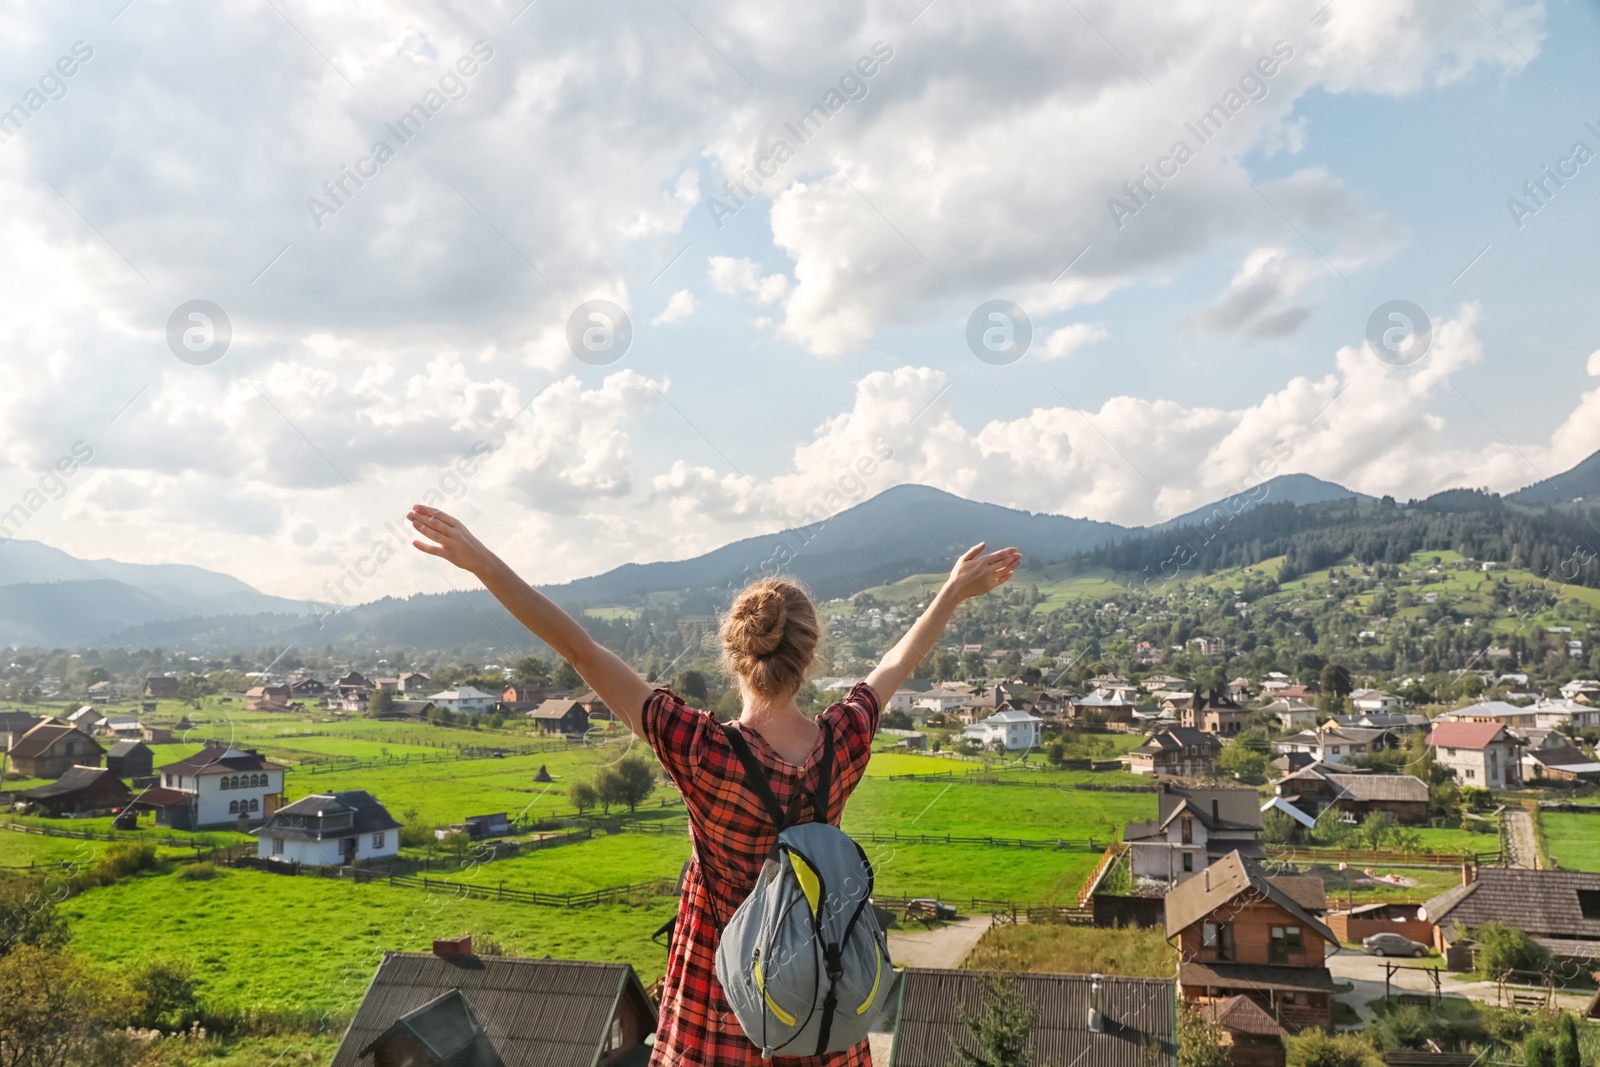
pixel 130 759
pixel 80 791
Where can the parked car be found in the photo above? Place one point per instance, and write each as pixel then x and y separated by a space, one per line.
pixel 929 909
pixel 1393 945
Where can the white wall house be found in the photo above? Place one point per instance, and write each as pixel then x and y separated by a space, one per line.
pixel 943 698
pixel 1017 730
pixel 218 784
pixel 1376 700
pixel 1482 754
pixel 329 830
pixel 465 698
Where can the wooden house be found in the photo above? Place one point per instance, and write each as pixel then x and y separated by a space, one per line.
pixel 1238 934
pixel 1560 910
pixel 1318 787
pixel 130 759
pixel 1176 751
pixel 269 698
pixel 560 716
pixel 51 748
pixel 80 791
pixel 452 1007
pixel 161 687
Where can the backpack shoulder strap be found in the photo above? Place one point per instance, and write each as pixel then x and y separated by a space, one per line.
pixel 754 776
pixel 824 794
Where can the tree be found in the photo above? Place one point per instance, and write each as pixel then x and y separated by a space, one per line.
pixel 380 703
pixel 566 676
pixel 944 665
pixel 1201 1041
pixel 635 781
pixel 1318 1048
pixel 531 670
pixel 691 685
pixel 583 796
pixel 1056 752
pixel 164 997
pixel 55 1009
pixel 1375 830
pixel 1335 680
pixel 999 1027
pixel 1536 1052
pixel 973 665
pixel 1278 827
pixel 1242 762
pixel 1567 1052
pixel 28 913
pixel 1506 948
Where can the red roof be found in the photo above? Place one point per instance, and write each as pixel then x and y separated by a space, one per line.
pixel 1464 734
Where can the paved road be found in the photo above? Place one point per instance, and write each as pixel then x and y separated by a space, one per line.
pixel 940 946
pixel 1366 972
pixel 1519 837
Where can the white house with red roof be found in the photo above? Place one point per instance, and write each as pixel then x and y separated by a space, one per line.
pixel 1482 754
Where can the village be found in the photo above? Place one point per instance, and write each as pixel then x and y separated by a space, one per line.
pixel 1413 875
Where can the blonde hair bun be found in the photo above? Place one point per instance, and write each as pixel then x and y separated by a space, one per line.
pixel 770 635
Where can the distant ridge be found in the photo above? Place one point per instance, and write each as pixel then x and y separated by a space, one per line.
pixel 1297 489
pixel 1581 482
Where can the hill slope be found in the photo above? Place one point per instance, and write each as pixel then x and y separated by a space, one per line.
pixel 1582 481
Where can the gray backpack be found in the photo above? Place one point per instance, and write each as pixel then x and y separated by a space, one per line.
pixel 803 962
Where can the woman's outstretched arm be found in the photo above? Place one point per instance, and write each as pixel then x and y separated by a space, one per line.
pixel 605 672
pixel 974 574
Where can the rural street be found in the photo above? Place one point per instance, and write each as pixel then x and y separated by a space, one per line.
pixel 939 946
pixel 1366 972
pixel 1519 838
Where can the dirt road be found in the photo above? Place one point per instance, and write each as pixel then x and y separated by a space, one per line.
pixel 940 946
pixel 1523 846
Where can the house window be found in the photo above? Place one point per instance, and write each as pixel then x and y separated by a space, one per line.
pixel 614 1036
pixel 233 807
pixel 1187 828
pixel 1589 903
pixel 1449 752
pixel 1218 937
pixel 1471 773
pixel 277 846
pixel 1188 861
pixel 223 784
pixel 255 804
pixel 1285 942
pixel 377 839
pixel 1335 750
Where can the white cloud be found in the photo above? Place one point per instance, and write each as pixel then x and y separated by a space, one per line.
pixel 679 307
pixel 733 276
pixel 1068 339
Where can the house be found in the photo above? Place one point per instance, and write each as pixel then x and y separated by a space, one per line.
pixel 352 681
pixel 269 697
pixel 1109 706
pixel 1559 909
pixel 413 682
pixel 560 716
pixel 1213 713
pixel 517 698
pixel 1239 934
pixel 101 692
pixel 1293 713
pixel 329 830
pixel 130 759
pixel 481 826
pixel 1584 690
pixel 51 748
pixel 1499 711
pixel 1482 754
pixel 1548 755
pixel 1162 683
pixel 1193 827
pixel 1331 744
pixel 593 705
pixel 1239 690
pixel 416 710
pixel 454 1008
pixel 13 724
pixel 1252 1037
pixel 1178 751
pixel 1105 1020
pixel 944 698
pixel 1208 646
pixel 464 699
pixel 120 726
pixel 307 689
pixel 1566 715
pixel 1375 700
pixel 1016 730
pixel 1320 786
pixel 85 718
pixel 215 787
pixel 80 791
pixel 161 687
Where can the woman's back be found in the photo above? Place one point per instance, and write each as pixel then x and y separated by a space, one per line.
pixel 733 836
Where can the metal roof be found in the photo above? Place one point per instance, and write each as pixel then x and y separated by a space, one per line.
pixel 38 742
pixel 1228 878
pixel 537 1013
pixel 1139 1030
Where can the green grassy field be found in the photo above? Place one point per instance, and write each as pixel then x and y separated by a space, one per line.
pixel 312 944
pixel 1572 839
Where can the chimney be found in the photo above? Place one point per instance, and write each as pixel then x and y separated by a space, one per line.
pixel 1468 875
pixel 451 948
pixel 1215 818
pixel 1205 876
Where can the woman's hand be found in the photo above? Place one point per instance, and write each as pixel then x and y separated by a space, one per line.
pixel 448 539
pixel 976 572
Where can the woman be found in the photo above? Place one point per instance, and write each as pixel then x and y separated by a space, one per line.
pixel 769 638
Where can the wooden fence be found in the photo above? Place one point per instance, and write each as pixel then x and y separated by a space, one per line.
pixel 980 778
pixel 1382 857
pixel 1034 911
pixel 611 895
pixel 109 835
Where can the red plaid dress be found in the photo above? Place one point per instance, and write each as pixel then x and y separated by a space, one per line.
pixel 733 834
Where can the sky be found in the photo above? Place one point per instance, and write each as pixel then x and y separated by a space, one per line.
pixel 625 282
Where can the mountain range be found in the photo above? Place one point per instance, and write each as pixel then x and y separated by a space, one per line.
pixel 52 599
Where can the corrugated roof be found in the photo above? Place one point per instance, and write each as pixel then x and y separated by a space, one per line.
pixel 219 759
pixel 1541 903
pixel 1236 809
pixel 76 780
pixel 368 816
pixel 1256 976
pixel 1139 1018
pixel 537 1013
pixel 1403 787
pixel 1464 734
pixel 1241 1015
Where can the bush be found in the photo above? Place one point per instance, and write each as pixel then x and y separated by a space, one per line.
pixel 1536 1052
pixel 1407 1026
pixel 199 872
pixel 1318 1048
pixel 1505 948
pixel 163 997
pixel 122 860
